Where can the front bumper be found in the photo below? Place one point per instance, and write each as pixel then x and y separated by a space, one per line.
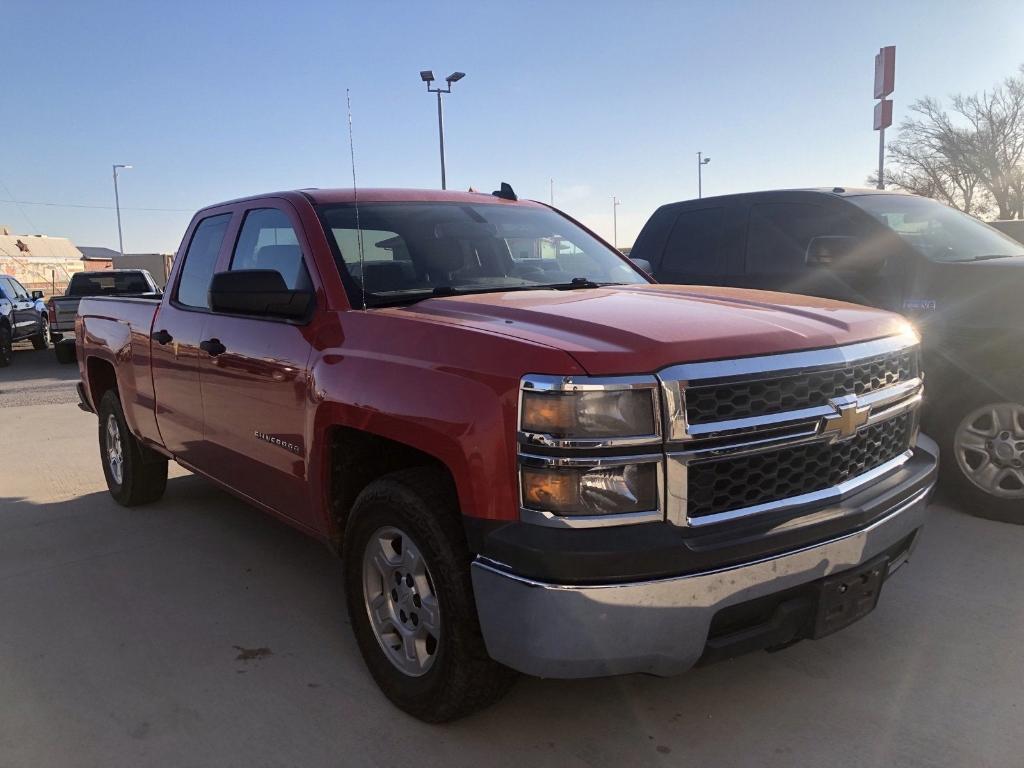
pixel 660 626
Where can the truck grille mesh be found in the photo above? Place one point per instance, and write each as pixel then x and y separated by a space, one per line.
pixel 728 484
pixel 737 400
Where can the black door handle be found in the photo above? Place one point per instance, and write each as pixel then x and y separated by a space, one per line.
pixel 213 347
pixel 162 337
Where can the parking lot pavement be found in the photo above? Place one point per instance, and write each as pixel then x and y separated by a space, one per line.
pixel 197 631
pixel 35 377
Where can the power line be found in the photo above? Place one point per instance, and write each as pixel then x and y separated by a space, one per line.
pixel 21 210
pixel 93 207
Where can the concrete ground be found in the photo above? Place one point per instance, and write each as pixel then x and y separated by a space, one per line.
pixel 198 632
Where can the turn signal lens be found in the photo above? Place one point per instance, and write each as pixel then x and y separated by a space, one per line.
pixel 597 491
pixel 590 414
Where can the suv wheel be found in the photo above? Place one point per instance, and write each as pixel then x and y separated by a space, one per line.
pixel 984 459
pixel 6 347
pixel 410 600
pixel 135 474
pixel 42 339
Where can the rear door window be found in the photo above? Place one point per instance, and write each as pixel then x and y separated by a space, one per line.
pixel 695 244
pixel 778 234
pixel 268 241
pixel 201 260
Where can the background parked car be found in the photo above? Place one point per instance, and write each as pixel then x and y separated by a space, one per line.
pixel 959 279
pixel 1012 227
pixel 107 282
pixel 22 316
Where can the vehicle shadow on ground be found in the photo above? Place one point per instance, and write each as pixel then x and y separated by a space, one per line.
pixel 205 603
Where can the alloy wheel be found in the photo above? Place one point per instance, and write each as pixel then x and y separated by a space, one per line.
pixel 989 448
pixel 401 602
pixel 115 456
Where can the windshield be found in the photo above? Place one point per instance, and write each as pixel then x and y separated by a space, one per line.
pixel 415 250
pixel 936 231
pixel 108 284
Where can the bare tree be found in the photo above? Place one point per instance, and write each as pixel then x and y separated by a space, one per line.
pixel 972 160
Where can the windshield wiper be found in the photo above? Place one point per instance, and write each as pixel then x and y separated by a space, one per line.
pixel 990 256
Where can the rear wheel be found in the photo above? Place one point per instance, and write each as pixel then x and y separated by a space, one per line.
pixel 135 474
pixel 984 459
pixel 6 347
pixel 42 339
pixel 410 599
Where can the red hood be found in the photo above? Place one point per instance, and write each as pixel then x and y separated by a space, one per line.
pixel 642 328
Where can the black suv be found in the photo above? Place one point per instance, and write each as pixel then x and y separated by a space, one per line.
pixel 959 280
pixel 22 316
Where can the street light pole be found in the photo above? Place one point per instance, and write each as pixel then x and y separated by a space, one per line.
pixel 552 193
pixel 427 77
pixel 701 162
pixel 615 221
pixel 117 206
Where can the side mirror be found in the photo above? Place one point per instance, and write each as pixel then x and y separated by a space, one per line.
pixel 843 253
pixel 37 295
pixel 643 264
pixel 259 292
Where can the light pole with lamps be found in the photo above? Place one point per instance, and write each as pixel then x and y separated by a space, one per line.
pixel 701 162
pixel 117 205
pixel 427 77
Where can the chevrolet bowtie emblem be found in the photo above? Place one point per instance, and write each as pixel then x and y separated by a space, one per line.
pixel 847 421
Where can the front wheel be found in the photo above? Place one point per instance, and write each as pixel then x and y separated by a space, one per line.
pixel 6 347
pixel 42 339
pixel 135 474
pixel 410 600
pixel 984 459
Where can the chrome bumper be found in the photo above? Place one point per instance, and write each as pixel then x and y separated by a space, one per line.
pixel 658 627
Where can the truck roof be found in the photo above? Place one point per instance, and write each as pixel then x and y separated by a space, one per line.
pixel 385 195
pixel 830 191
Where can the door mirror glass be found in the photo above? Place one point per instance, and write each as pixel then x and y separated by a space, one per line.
pixel 36 295
pixel 844 254
pixel 644 265
pixel 258 292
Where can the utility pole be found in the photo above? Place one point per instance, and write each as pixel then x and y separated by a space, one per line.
pixel 701 162
pixel 427 77
pixel 615 221
pixel 552 193
pixel 117 205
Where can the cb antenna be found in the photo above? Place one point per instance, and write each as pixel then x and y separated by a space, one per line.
pixel 355 198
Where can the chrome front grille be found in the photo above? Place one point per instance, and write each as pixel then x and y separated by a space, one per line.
pixel 722 485
pixel 761 397
pixel 759 435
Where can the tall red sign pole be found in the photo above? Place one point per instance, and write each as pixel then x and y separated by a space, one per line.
pixel 885 84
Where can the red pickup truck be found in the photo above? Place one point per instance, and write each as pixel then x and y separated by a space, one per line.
pixel 529 456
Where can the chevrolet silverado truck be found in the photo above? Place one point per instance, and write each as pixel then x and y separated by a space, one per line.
pixel 529 456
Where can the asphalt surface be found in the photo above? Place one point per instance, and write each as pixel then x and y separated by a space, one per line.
pixel 199 632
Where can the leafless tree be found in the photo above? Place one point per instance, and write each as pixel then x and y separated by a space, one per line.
pixel 972 159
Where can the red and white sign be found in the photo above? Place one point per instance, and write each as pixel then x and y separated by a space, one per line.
pixel 885 71
pixel 883 114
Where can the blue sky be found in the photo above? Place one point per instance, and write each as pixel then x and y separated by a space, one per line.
pixel 212 100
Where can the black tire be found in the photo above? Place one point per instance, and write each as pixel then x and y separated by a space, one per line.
pixel 971 497
pixel 462 678
pixel 6 347
pixel 143 471
pixel 42 339
pixel 65 352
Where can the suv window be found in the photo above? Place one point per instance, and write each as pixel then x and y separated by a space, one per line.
pixel 268 241
pixel 778 234
pixel 6 289
pixel 201 260
pixel 694 245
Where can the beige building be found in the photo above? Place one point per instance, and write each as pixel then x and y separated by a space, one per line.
pixel 38 261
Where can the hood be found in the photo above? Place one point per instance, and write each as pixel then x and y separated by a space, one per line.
pixel 982 294
pixel 643 328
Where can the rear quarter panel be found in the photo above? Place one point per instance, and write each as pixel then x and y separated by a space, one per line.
pixel 116 331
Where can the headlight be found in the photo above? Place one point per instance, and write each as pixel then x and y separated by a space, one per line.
pixel 598 490
pixel 590 412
